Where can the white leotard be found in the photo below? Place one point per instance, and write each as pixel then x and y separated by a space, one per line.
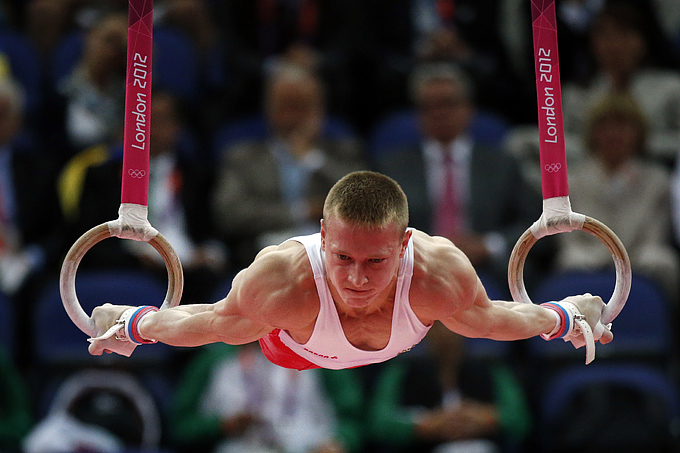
pixel 328 346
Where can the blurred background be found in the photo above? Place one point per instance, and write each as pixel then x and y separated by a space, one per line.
pixel 258 108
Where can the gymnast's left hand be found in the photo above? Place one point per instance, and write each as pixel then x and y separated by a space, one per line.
pixel 592 307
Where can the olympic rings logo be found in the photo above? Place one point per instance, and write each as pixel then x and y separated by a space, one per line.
pixel 136 173
pixel 553 168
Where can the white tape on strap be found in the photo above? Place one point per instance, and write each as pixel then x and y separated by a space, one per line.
pixel 132 223
pixel 557 217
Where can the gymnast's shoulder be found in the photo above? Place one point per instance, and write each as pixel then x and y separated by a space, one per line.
pixel 443 277
pixel 280 279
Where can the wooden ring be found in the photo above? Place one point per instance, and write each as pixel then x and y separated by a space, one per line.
pixel 67 278
pixel 606 236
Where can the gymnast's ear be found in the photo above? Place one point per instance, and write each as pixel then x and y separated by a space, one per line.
pixel 404 242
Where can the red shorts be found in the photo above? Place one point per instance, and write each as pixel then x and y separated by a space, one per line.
pixel 281 355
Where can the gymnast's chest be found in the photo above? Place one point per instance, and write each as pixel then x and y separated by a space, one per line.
pixel 369 332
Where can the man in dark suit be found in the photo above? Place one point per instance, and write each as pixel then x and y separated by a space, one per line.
pixel 493 204
pixel 270 188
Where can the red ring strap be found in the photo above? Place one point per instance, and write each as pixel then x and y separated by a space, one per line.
pixel 554 179
pixel 135 178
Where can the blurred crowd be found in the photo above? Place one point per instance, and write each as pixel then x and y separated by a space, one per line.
pixel 258 108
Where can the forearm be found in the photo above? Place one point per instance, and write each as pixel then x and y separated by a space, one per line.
pixel 505 321
pixel 196 325
pixel 184 325
pixel 518 320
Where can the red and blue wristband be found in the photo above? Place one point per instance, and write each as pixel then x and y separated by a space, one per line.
pixel 132 325
pixel 564 323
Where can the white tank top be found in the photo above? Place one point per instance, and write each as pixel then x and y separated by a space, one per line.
pixel 328 346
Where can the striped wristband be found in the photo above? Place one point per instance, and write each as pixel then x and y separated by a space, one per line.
pixel 131 323
pixel 564 324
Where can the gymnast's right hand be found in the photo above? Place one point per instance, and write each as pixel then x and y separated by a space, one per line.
pixel 105 317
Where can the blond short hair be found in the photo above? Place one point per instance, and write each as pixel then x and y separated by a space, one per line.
pixel 367 199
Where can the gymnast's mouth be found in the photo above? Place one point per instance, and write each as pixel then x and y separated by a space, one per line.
pixel 359 292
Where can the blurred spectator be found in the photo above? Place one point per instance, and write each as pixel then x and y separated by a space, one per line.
pixel 575 20
pixel 471 193
pixel 441 401
pixel 259 35
pixel 409 32
pixel 86 68
pixel 178 197
pixel 669 18
pixel 178 188
pixel 233 400
pixel 195 21
pixel 93 95
pixel 27 180
pixel 31 225
pixel 15 405
pixel 272 188
pixel 617 184
pixel 47 21
pixel 193 17
pixel 624 61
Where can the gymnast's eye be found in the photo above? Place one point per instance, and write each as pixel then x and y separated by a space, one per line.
pixel 376 260
pixel 343 257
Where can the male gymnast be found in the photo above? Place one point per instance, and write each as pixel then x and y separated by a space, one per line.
pixel 363 290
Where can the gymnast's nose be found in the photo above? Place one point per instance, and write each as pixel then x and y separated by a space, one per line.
pixel 357 275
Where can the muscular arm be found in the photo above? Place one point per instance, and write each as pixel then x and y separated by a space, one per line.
pixel 460 302
pixel 196 325
pixel 259 301
pixel 500 320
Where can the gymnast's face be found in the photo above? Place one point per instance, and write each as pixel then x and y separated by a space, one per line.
pixel 362 263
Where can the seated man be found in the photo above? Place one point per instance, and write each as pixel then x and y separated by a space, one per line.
pixel 459 187
pixel 271 188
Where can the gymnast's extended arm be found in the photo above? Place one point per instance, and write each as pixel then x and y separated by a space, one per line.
pixel 259 294
pixel 453 294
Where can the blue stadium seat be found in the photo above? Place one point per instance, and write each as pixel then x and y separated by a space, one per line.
pixel 622 408
pixel 175 64
pixel 65 56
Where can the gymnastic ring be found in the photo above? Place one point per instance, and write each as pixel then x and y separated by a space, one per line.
pixel 606 236
pixel 67 278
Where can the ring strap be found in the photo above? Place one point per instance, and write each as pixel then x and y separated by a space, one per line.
pixel 135 175
pixel 554 180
